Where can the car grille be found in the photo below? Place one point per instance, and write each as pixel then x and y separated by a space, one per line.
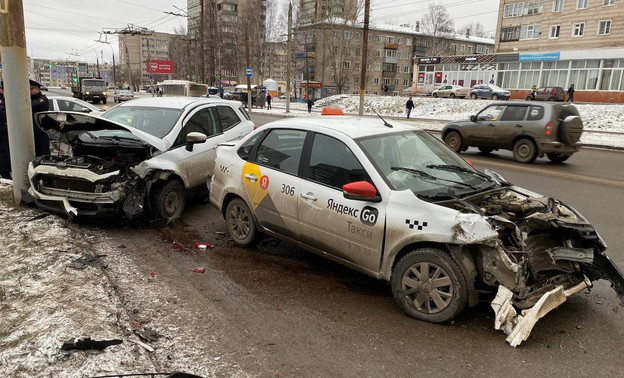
pixel 75 184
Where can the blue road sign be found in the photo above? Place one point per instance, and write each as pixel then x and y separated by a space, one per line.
pixel 248 71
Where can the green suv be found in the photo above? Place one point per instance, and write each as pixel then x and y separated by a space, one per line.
pixel 529 130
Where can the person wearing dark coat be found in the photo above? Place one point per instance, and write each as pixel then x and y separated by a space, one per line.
pixel 409 105
pixel 268 101
pixel 39 103
pixel 5 158
pixel 310 103
pixel 571 93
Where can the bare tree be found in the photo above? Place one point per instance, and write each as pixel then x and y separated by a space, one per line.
pixel 438 24
pixel 252 34
pixel 475 29
pixel 181 52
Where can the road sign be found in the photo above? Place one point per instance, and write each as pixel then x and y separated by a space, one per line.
pixel 248 71
pixel 151 77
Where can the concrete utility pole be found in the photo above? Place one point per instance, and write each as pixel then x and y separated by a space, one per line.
pixel 364 56
pixel 17 95
pixel 149 65
pixel 246 36
pixel 202 40
pixel 288 57
pixel 130 30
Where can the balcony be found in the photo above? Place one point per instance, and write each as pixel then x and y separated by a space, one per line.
pixel 391 46
pixel 390 60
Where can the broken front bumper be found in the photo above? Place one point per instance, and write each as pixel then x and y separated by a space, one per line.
pixel 77 192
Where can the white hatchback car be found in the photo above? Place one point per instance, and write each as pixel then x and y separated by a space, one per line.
pixel 71 104
pixel 146 154
pixel 397 204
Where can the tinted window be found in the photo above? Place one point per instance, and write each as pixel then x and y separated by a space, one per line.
pixel 228 117
pixel 514 113
pixel 281 149
pixel 66 105
pixel 201 122
pixel 246 148
pixel 332 163
pixel 535 113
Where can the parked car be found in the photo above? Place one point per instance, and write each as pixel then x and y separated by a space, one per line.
pixel 123 95
pixel 71 104
pixel 44 87
pixel 547 94
pixel 451 91
pixel 489 91
pixel 140 157
pixel 398 205
pixel 528 130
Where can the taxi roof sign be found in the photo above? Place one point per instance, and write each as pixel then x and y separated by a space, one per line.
pixel 331 111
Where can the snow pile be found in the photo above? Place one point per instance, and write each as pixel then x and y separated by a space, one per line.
pixel 599 117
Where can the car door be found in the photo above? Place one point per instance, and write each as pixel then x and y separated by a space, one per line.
pixel 349 230
pixel 197 165
pixel 272 183
pixel 481 131
pixel 511 123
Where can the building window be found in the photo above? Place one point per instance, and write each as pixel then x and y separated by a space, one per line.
pixel 406 82
pixel 604 27
pixel 378 39
pixel 482 49
pixel 462 48
pixel 356 80
pixel 406 69
pixel 554 31
pixel 530 32
pixel 346 64
pixel 386 80
pixel 408 42
pixel 469 49
pixel 333 78
pixel 608 3
pixel 377 66
pixel 557 5
pixel 582 4
pixel 347 34
pixel 395 93
pixel 400 41
pixel 578 29
pixel 378 53
pixel 389 39
pixel 533 7
pixel 376 81
pixel 397 81
pixel 513 10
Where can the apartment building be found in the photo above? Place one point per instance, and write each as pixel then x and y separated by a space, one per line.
pixel 311 11
pixel 136 49
pixel 562 42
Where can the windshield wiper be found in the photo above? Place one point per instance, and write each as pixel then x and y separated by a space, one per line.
pixel 459 169
pixel 424 174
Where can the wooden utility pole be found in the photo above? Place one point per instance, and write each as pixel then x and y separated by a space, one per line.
pixel 17 95
pixel 364 56
pixel 288 57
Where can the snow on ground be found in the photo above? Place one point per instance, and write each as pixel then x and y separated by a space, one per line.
pixel 602 121
pixel 44 301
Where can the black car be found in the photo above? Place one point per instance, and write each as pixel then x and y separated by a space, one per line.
pixel 529 130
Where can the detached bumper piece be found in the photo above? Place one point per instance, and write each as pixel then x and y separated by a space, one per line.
pixel 519 327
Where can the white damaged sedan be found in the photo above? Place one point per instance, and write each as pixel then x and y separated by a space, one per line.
pixel 397 204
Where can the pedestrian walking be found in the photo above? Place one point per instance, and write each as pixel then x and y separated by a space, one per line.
pixel 533 92
pixel 571 93
pixel 269 101
pixel 39 103
pixel 409 105
pixel 5 158
pixel 310 103
pixel 385 89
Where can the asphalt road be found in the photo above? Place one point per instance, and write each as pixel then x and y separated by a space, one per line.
pixel 286 312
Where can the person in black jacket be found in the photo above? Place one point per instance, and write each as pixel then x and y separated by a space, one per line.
pixel 409 105
pixel 39 103
pixel 571 93
pixel 5 158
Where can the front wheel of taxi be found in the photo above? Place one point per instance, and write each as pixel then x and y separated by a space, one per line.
pixel 240 223
pixel 428 285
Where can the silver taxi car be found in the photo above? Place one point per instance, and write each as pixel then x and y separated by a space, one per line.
pixel 397 204
pixel 142 157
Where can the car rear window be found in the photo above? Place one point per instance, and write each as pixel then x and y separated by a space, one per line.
pixel 535 113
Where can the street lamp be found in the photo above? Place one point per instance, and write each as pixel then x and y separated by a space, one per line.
pixel 97 60
pixel 113 54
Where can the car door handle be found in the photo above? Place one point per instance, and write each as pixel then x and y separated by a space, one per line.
pixel 308 196
pixel 251 177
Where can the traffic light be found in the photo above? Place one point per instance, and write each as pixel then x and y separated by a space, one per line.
pixel 50 65
pixel 75 79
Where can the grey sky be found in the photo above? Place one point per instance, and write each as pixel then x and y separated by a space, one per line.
pixel 56 28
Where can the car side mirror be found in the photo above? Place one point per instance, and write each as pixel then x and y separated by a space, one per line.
pixel 85 110
pixel 193 138
pixel 473 118
pixel 360 191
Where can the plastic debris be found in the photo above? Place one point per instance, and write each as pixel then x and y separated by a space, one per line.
pixel 176 247
pixel 200 269
pixel 203 245
pixel 147 347
pixel 88 344
pixel 153 274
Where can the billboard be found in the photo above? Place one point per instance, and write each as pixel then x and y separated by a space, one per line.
pixel 160 66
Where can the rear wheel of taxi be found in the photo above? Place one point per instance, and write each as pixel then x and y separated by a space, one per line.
pixel 524 151
pixel 454 141
pixel 168 201
pixel 240 223
pixel 428 285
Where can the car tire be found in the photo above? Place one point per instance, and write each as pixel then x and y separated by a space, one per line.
pixel 524 151
pixel 241 225
pixel 168 201
pixel 529 98
pixel 435 95
pixel 494 97
pixel 454 140
pixel 452 95
pixel 558 158
pixel 485 150
pixel 551 99
pixel 420 295
pixel 473 96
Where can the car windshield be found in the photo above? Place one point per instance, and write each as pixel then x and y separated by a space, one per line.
pixel 155 121
pixel 417 161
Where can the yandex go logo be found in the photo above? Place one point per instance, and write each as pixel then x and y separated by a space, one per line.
pixel 369 215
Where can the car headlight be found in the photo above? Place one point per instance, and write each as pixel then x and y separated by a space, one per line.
pixel 87 92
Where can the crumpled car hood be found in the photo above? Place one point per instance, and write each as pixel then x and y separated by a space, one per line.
pixel 66 127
